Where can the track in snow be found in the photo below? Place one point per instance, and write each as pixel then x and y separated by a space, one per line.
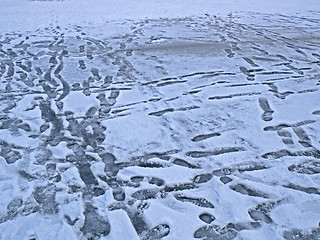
pixel 177 116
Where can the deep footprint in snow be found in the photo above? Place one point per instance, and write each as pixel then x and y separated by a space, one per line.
pixel 309 234
pixel 157 181
pixel 245 190
pixel 81 48
pixel 158 232
pixel 215 152
pixel 94 224
pixel 118 194
pixel 207 218
pixel 262 211
pixel 82 65
pixel 202 178
pixel 214 232
pixel 309 167
pixel 202 137
pixel 286 137
pixel 264 104
pixel 225 179
pixel 309 190
pixel 201 202
pixel 240 226
pixel 304 139
pixel 230 54
pixel 145 194
pixel 250 61
pixel 248 73
pixel 183 163
pixel 45 196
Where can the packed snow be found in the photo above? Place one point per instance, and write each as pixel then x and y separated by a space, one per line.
pixel 155 119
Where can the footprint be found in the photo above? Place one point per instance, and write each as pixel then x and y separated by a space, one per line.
pixel 207 218
pixel 160 113
pixel 222 38
pixel 244 226
pixel 245 190
pixel 129 53
pixel 137 179
pixel 306 167
pixel 82 65
pixel 264 104
pixel 225 179
pixel 304 140
pixel 286 125
pixel 230 54
pixel 86 87
pixel 201 202
pixel 95 73
pixel 310 234
pixel 86 175
pixel 158 232
pixel 70 221
pixel 260 50
pixel 248 60
pixel 316 55
pixel 261 212
pixel 118 194
pixel 260 216
pixel 97 191
pixel 157 181
pixel 11 53
pixel 250 166
pixel 179 187
pixel 286 137
pixel 81 48
pixel 76 87
pixel 248 73
pixel 183 163
pixel 215 233
pixel 308 190
pixel 10 72
pixel 145 194
pixel 202 137
pixel 203 178
pixel 53 60
pixel 122 46
pixel 14 206
pixel 113 96
pixel 8 152
pixel 2 69
pixel 288 65
pixel 107 81
pixel 215 152
pixel 94 224
pixel 45 197
pixel 25 126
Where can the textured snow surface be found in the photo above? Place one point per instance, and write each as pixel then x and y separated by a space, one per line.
pixel 160 119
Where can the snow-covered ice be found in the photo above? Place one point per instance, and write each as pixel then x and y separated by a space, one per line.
pixel 155 119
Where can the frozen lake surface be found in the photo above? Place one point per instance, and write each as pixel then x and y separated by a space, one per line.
pixel 159 120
